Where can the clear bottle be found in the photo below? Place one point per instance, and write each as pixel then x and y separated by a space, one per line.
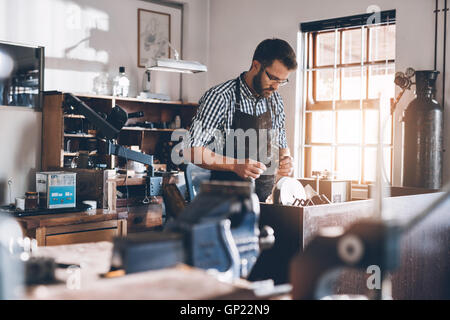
pixel 121 84
pixel 102 84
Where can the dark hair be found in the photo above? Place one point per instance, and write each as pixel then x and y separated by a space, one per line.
pixel 275 49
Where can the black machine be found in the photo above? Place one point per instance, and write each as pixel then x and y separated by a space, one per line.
pixel 218 230
pixel 109 128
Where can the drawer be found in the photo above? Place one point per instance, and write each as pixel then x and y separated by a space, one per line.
pixel 81 233
pixel 81 237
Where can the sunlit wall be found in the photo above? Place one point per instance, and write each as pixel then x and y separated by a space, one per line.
pixel 83 38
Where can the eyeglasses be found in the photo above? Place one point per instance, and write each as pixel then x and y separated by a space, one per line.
pixel 275 79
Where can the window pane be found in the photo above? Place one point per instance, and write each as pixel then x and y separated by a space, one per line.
pixel 371 128
pixel 381 81
pixel 348 163
pixel 353 85
pixel 370 163
pixel 324 85
pixel 349 126
pixel 322 127
pixel 321 158
pixel 342 89
pixel 325 48
pixel 382 43
pixel 351 46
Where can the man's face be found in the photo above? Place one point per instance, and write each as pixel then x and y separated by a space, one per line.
pixel 268 79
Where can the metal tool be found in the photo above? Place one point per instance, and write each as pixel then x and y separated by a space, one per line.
pixel 288 191
pixel 218 230
pixel 109 128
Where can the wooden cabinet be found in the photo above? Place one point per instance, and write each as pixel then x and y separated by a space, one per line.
pixel 335 190
pixel 77 227
pixel 65 134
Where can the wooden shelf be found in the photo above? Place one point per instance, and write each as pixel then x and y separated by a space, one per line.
pixel 74 116
pixel 70 154
pixel 171 102
pixel 149 140
pixel 147 129
pixel 130 181
pixel 21 108
pixel 78 135
pixel 76 154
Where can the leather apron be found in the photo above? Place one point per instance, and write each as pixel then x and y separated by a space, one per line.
pixel 241 120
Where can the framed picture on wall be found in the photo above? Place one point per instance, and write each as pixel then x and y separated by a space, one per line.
pixel 153 36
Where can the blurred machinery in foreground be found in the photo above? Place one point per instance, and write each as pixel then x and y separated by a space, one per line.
pixel 381 245
pixel 11 263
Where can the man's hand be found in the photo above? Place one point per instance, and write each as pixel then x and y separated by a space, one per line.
pixel 285 167
pixel 249 169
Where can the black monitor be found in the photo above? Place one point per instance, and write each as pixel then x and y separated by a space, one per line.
pixel 21 75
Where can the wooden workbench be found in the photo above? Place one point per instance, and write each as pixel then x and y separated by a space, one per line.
pixel 180 282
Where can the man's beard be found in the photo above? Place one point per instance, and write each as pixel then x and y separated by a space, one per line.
pixel 257 85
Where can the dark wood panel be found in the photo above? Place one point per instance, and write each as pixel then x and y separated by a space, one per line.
pixel 287 223
pixel 81 237
pixel 52 132
pixel 82 227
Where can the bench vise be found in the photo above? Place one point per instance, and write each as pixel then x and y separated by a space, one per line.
pixel 218 230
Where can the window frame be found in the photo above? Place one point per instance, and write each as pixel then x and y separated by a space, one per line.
pixel 335 105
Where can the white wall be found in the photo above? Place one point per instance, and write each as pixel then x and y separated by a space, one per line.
pixel 238 26
pixel 83 38
pixel 195 46
pixel 20 145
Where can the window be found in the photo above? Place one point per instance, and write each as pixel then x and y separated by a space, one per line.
pixel 347 70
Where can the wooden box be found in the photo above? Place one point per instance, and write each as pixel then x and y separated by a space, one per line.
pixel 335 190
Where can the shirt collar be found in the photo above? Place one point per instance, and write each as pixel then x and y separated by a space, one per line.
pixel 245 90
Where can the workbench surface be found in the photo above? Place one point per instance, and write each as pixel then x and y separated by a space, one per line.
pixel 179 282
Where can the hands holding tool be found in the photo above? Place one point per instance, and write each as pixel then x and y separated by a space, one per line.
pixel 249 169
pixel 285 167
pixel 253 169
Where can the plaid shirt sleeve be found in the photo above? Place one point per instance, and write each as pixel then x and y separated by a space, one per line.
pixel 280 119
pixel 209 118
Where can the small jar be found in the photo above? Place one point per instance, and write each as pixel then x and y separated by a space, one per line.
pixel 31 200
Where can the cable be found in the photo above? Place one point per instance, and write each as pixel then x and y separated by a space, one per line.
pixel 126 181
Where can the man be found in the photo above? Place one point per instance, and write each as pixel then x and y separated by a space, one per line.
pixel 246 107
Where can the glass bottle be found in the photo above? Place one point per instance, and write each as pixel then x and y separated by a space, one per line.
pixel 102 84
pixel 121 84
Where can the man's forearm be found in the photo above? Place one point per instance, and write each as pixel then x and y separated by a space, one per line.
pixel 207 159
